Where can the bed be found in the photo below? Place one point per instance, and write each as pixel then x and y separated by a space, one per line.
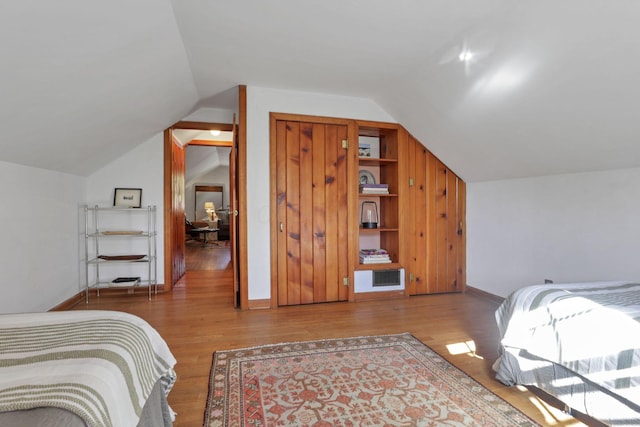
pixel 578 342
pixel 83 368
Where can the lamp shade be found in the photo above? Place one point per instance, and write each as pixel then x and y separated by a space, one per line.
pixel 209 206
pixel 369 214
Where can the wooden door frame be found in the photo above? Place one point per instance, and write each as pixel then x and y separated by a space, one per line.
pixel 241 188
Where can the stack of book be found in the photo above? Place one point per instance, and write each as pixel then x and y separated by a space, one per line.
pixel 374 188
pixel 374 256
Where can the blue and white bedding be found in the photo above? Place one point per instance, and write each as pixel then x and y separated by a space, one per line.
pixel 589 329
pixel 99 365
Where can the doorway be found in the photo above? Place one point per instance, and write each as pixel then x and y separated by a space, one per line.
pixel 174 209
pixel 207 202
pixel 210 226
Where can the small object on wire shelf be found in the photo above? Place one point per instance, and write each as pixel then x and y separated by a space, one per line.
pixel 125 281
pixel 121 257
pixel 121 233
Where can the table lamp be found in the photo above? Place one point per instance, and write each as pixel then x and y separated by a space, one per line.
pixel 210 208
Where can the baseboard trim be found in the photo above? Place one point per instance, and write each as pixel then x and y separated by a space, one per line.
pixel 80 296
pixel 484 294
pixel 70 302
pixel 259 304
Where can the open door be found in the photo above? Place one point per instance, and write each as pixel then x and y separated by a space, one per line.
pixel 175 265
pixel 233 213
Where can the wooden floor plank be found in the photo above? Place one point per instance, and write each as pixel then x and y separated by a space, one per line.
pixel 198 318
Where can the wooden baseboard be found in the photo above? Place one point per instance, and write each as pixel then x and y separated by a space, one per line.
pixel 259 304
pixel 69 302
pixel 80 296
pixel 484 294
pixel 372 296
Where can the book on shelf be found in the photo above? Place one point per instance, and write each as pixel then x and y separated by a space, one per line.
pixel 374 185
pixel 374 192
pixel 374 256
pixel 373 252
pixel 374 188
pixel 375 261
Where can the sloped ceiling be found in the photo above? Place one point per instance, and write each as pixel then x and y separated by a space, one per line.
pixel 551 87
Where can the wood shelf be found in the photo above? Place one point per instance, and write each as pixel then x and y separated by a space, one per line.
pixel 366 195
pixel 378 230
pixel 381 266
pixel 375 161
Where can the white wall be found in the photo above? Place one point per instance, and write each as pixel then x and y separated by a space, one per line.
pixel 260 102
pixel 142 167
pixel 39 256
pixel 577 227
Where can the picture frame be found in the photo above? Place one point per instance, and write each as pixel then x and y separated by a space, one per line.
pixel 127 197
pixel 364 150
pixel 366 177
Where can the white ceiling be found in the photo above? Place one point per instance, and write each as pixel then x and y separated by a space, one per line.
pixel 552 86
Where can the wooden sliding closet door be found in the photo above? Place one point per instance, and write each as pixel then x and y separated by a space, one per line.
pixel 447 219
pixel 311 203
pixel 436 246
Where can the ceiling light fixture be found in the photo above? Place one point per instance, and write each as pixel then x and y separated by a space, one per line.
pixel 465 56
pixel 215 132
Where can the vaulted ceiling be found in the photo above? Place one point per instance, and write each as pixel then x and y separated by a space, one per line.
pixel 547 87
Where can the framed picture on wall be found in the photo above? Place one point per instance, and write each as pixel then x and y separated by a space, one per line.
pixel 127 197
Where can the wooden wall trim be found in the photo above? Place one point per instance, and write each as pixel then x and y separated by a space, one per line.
pixel 203 126
pixel 243 258
pixel 210 143
pixel 80 297
pixel 311 119
pixel 259 304
pixel 168 194
pixel 70 302
pixel 273 208
pixel 471 290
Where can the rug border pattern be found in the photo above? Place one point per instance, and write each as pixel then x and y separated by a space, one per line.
pixel 461 380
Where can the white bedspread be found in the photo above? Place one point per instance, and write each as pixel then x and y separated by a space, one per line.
pixel 100 365
pixel 593 329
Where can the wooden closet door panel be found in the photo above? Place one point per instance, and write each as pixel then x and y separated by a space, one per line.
pixel 311 189
pixel 440 231
pixel 432 260
pixel 292 226
pixel 335 184
pixel 281 209
pixel 450 281
pixel 318 214
pixel 462 238
pixel 306 221
pixel 343 219
pixel 412 218
pixel 420 208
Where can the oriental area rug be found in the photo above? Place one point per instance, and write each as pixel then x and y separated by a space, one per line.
pixel 388 380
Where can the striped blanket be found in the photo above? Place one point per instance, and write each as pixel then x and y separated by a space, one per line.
pixel 100 365
pixel 592 329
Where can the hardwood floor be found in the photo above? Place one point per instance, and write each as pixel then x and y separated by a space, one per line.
pixel 197 318
pixel 210 256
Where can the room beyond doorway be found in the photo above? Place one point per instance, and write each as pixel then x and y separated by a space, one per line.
pixel 207 201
